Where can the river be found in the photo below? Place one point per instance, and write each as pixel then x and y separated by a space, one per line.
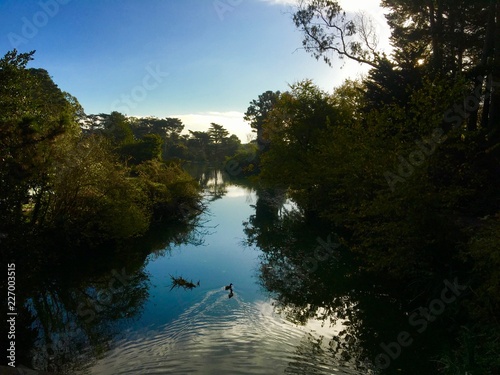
pixel 297 306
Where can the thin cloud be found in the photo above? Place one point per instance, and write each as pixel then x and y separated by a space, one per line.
pixel 347 5
pixel 281 2
pixel 231 120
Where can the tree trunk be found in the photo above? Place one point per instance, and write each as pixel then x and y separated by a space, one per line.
pixel 488 48
pixel 436 31
pixel 494 115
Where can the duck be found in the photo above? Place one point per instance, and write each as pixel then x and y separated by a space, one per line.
pixel 230 286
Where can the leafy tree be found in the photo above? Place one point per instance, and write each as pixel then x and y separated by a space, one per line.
pixel 180 150
pixel 168 129
pixel 36 121
pixel 294 127
pixel 198 144
pixel 92 198
pixel 117 127
pixel 147 148
pixel 406 162
pixel 56 181
pixel 168 187
pixel 257 112
pixel 217 135
pixel 447 35
pixel 231 145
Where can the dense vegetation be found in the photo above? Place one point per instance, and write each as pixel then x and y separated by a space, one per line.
pixel 88 187
pixel 403 164
pixel 138 137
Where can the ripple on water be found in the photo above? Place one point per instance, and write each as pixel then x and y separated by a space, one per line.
pixel 217 336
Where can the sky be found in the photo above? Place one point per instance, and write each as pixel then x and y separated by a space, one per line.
pixel 202 61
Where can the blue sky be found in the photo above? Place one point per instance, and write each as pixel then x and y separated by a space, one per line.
pixel 200 60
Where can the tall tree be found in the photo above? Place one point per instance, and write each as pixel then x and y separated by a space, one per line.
pixel 35 121
pixel 257 113
pixel 217 134
pixel 447 34
pixel 298 123
pixel 198 144
pixel 117 127
pixel 169 129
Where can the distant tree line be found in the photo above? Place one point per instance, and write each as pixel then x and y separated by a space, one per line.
pixel 140 137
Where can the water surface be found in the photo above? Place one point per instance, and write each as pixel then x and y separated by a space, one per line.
pixel 298 307
pixel 202 330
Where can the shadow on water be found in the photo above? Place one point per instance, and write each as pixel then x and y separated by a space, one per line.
pixel 312 278
pixel 72 301
pixel 333 318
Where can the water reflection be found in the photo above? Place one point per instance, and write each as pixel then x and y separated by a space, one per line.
pixel 74 302
pixel 214 181
pixel 75 319
pixel 315 284
pixel 299 304
pixel 221 336
pixel 306 288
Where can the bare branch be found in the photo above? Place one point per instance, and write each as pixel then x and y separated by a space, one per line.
pixel 326 28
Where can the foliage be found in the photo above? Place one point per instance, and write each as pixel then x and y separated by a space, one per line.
pixel 171 192
pixel 216 134
pixel 139 139
pixel 117 129
pixel 35 125
pixel 91 195
pixel 326 28
pixel 57 180
pixel 244 162
pixel 404 163
pixel 147 148
pixel 296 125
pixel 257 113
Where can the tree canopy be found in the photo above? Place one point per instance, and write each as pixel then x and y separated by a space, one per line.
pixel 55 177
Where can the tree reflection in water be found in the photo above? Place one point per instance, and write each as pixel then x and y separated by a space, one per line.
pixel 75 301
pixel 329 289
pixel 76 319
pixel 214 181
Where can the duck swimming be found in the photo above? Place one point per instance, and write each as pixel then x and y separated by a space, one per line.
pixel 230 286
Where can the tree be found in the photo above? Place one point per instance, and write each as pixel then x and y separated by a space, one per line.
pixel 198 144
pixel 92 197
pixel 446 34
pixel 117 127
pixel 446 38
pixel 217 135
pixel 147 148
pixel 257 112
pixel 168 129
pixel 36 123
pixel 298 123
pixel 231 145
pixel 54 180
pixel 327 29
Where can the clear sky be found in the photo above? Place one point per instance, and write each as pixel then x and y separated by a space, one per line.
pixel 200 60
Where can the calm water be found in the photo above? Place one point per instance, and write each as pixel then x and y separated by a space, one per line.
pixel 202 330
pixel 289 314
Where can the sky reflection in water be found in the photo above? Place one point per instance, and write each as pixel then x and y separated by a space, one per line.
pixel 202 330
